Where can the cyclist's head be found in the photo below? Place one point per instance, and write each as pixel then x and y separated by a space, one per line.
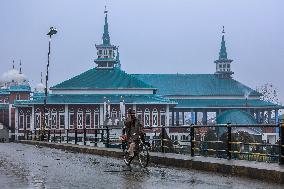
pixel 131 113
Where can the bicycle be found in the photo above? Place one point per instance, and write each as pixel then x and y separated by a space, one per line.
pixel 141 152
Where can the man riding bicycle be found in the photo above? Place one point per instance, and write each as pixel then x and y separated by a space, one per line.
pixel 133 129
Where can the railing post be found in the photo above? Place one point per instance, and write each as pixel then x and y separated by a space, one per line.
pixel 60 135
pixel 85 136
pixel 229 139
pixel 54 135
pixel 48 135
pixel 107 141
pixel 192 140
pixel 162 140
pixel 96 135
pixel 76 136
pixel 281 143
pixel 67 137
pixel 102 135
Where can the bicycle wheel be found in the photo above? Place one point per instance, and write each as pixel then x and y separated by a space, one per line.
pixel 143 156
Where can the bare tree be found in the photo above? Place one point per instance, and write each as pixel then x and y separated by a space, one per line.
pixel 269 93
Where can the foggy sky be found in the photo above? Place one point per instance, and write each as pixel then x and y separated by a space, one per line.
pixel 160 36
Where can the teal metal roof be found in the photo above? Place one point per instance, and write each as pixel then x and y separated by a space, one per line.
pixel 4 106
pixel 20 88
pixel 103 79
pixel 4 92
pixel 236 117
pixel 196 85
pixel 96 99
pixel 201 103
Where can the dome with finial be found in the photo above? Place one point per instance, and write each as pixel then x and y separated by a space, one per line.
pixel 14 77
pixel 40 87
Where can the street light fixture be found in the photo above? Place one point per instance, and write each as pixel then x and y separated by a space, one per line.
pixel 51 32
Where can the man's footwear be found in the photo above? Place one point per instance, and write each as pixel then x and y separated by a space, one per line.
pixel 126 162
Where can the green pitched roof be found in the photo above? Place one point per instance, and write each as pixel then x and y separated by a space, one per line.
pixel 103 79
pixel 96 99
pixel 235 117
pixel 4 106
pixel 4 92
pixel 195 85
pixel 201 103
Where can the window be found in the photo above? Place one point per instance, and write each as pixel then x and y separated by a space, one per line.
pixel 47 121
pixel 53 119
pixel 61 120
pixel 96 118
pixel 80 119
pixel 163 117
pixel 71 120
pixel 139 114
pixel 18 97
pixel 21 120
pixel 88 119
pixel 100 52
pixel 155 117
pixel 28 120
pixel 147 118
pixel 37 120
pixel 113 113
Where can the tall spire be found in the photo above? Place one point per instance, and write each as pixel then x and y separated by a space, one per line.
pixel 13 64
pixel 20 72
pixel 106 38
pixel 223 51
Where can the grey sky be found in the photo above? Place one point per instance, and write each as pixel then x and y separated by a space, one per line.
pixel 161 36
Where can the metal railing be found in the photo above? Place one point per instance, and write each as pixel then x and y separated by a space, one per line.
pixel 222 141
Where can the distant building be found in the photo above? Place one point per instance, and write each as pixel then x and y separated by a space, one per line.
pixel 103 94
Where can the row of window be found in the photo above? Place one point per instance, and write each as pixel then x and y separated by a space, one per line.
pixel 105 52
pixel 85 118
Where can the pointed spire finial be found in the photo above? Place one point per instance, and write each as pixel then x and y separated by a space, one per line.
pixel 106 38
pixel 223 50
pixel 20 72
pixel 13 64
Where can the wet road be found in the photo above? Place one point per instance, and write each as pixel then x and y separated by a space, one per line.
pixel 26 166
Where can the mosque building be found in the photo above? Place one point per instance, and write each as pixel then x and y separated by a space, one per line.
pixel 103 94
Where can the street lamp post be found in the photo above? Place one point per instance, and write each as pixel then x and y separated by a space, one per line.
pixel 51 32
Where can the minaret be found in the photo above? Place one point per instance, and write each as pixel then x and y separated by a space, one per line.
pixel 13 65
pixel 223 64
pixel 106 51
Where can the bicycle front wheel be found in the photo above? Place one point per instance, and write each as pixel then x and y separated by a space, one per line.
pixel 143 156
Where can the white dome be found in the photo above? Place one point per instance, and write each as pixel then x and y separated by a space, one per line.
pixel 13 77
pixel 40 88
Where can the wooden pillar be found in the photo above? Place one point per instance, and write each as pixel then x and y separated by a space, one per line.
pixel 177 118
pixel 195 117
pixel 168 115
pixel 204 118
pixel 173 117
pixel 183 117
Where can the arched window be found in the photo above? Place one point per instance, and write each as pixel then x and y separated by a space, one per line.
pixel 71 119
pixel 155 117
pixel 37 118
pixel 21 120
pixel 147 118
pixel 61 119
pixel 54 119
pixel 47 118
pixel 88 119
pixel 80 119
pixel 139 114
pixel 163 117
pixel 96 118
pixel 28 120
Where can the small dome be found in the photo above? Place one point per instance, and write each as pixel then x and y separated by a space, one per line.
pixel 236 117
pixel 14 77
pixel 40 88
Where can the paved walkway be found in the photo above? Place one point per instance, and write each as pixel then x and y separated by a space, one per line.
pixel 270 172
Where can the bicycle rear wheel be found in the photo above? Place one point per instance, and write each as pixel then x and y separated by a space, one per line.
pixel 143 156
